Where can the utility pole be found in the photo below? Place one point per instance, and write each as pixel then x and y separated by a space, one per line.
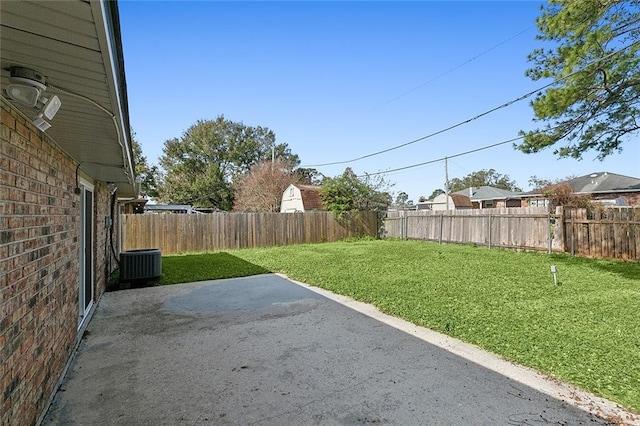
pixel 446 180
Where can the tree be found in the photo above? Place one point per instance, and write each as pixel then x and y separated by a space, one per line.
pixel 483 178
pixel 260 190
pixel 309 176
pixel 199 168
pixel 539 183
pixel 593 102
pixel 402 198
pixel 433 195
pixel 147 175
pixel 348 192
pixel 561 194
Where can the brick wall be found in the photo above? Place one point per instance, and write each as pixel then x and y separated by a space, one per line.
pixel 103 258
pixel 39 264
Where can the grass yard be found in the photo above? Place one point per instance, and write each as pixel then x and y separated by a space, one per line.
pixel 586 330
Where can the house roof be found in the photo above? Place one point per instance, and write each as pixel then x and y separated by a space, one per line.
pixel 600 182
pixel 169 207
pixel 310 197
pixel 482 193
pixel 77 47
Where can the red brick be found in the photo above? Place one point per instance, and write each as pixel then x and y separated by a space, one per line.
pixel 38 241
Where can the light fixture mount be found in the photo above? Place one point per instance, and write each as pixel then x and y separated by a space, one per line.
pixel 27 86
pixel 27 76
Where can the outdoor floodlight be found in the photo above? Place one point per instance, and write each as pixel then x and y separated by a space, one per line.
pixel 27 87
pixel 51 107
pixel 26 95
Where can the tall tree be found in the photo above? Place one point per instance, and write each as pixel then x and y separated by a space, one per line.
pixel 483 178
pixel 260 190
pixel 348 192
pixel 540 183
pixel 593 102
pixel 199 168
pixel 309 176
pixel 402 198
pixel 147 175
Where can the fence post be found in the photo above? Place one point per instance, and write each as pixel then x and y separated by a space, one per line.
pixel 441 225
pixel 573 228
pixel 549 233
pixel 406 227
pixel 489 230
pixel 559 230
pixel 403 227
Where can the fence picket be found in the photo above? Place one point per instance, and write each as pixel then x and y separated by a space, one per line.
pixel 182 233
pixel 613 233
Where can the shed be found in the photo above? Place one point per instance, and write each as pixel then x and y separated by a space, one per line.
pixel 301 198
pixel 449 202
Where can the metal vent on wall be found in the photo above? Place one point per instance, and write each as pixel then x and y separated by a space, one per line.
pixel 140 265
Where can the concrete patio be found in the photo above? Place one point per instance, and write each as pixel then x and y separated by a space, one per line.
pixel 265 350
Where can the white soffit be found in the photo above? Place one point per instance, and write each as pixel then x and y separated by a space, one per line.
pixel 73 45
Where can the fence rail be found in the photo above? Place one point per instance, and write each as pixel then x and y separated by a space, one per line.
pixel 181 233
pixel 608 233
pixel 527 228
pixel 612 233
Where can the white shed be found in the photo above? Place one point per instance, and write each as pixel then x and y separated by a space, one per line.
pixel 454 202
pixel 300 198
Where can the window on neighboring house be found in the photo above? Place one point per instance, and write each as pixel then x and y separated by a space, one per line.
pixel 488 204
pixel 539 202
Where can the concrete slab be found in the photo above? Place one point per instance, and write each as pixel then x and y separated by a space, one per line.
pixel 265 350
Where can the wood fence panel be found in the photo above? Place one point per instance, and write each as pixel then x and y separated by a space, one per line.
pixel 512 227
pixel 612 233
pixel 182 233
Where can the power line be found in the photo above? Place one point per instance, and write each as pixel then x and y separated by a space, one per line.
pixel 504 105
pixel 443 158
pixel 458 66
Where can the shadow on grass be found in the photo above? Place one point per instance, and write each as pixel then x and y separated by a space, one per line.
pixel 205 266
pixel 626 269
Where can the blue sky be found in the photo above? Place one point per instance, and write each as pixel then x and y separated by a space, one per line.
pixel 341 80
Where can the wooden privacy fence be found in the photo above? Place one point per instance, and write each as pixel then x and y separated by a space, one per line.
pixel 181 233
pixel 612 232
pixel 527 228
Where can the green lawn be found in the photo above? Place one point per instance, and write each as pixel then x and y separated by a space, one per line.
pixel 586 330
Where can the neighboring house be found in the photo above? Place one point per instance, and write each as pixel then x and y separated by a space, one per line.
pixel 300 198
pixel 169 208
pixel 423 205
pixel 132 205
pixel 488 197
pixel 604 187
pixel 58 187
pixel 446 202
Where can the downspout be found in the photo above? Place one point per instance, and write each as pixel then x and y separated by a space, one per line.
pixel 112 206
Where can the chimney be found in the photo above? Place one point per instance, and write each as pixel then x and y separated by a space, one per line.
pixel 470 191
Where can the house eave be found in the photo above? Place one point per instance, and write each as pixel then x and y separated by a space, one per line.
pixel 77 47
